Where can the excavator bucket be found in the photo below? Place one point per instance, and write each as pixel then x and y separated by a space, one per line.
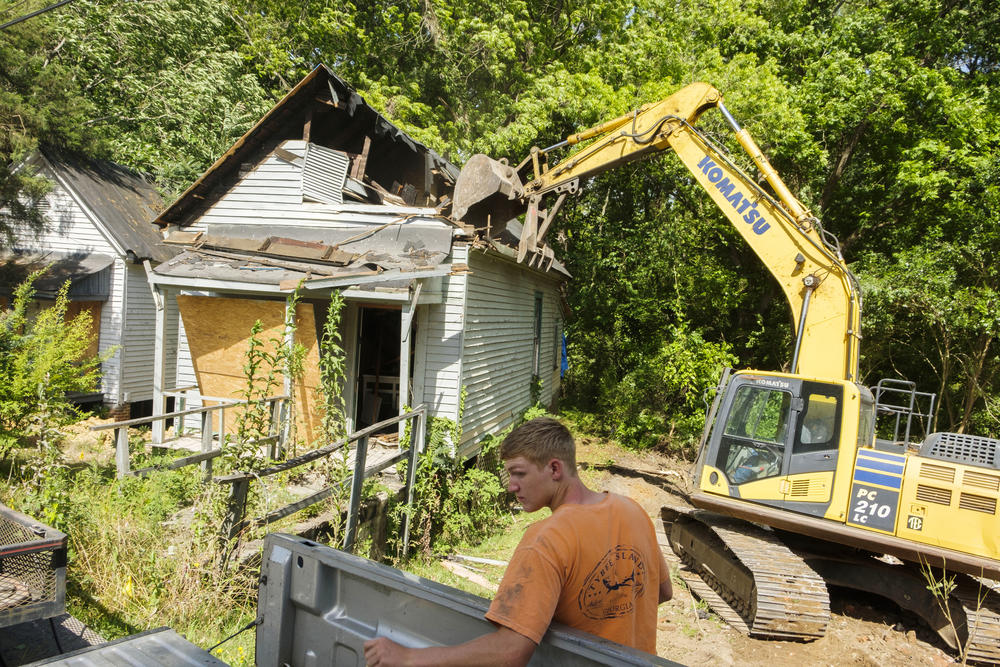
pixel 487 193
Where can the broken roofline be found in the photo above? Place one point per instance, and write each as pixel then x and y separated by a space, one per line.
pixel 342 96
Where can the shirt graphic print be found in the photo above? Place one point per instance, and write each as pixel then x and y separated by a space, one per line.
pixel 613 586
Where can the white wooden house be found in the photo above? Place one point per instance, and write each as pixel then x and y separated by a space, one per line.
pixel 327 192
pixel 99 230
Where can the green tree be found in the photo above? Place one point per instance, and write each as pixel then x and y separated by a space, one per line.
pixel 39 99
pixel 168 90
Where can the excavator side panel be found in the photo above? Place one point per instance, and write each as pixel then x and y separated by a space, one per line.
pixel 877 480
pixel 950 505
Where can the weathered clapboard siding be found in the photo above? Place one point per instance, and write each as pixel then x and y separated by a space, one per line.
pixel 72 229
pixel 128 316
pixel 439 345
pixel 110 335
pixel 271 194
pixel 69 229
pixel 497 353
pixel 137 341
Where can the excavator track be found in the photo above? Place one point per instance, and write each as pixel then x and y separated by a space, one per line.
pixel 753 576
pixel 980 600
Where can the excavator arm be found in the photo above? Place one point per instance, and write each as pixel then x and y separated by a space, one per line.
pixel 806 261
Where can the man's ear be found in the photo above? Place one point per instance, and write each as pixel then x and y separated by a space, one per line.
pixel 556 469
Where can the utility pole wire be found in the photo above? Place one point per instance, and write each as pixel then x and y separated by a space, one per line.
pixel 34 14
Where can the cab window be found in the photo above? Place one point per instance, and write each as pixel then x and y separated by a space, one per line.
pixel 819 422
pixel 753 442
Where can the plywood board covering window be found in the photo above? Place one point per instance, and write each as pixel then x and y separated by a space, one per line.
pixel 74 308
pixel 218 331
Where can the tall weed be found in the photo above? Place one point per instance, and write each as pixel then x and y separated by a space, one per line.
pixel 42 358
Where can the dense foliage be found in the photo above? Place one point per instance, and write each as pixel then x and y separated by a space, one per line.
pixel 43 356
pixel 882 116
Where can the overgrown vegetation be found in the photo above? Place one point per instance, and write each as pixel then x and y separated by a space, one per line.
pixel 881 116
pixel 333 371
pixel 42 358
pixel 141 551
pixel 267 365
pixel 146 551
pixel 457 502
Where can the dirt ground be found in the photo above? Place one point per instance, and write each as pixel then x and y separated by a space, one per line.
pixel 864 630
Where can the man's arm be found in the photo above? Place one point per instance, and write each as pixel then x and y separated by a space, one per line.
pixel 666 587
pixel 666 590
pixel 501 648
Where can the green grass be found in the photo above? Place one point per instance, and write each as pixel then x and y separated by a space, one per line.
pixel 142 551
pixel 499 546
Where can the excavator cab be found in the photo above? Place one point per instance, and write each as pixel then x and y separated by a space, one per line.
pixel 777 439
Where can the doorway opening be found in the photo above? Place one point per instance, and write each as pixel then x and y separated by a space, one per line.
pixel 378 365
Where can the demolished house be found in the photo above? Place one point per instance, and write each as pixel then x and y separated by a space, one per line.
pixel 326 194
pixel 98 232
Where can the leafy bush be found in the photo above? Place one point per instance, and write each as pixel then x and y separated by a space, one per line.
pixel 660 401
pixel 42 358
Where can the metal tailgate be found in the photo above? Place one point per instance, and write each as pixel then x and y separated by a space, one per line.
pixel 317 606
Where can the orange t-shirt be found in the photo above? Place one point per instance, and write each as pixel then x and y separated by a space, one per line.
pixel 596 568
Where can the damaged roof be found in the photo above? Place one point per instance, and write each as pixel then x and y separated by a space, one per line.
pixel 323 257
pixel 124 201
pixel 326 111
pixel 79 268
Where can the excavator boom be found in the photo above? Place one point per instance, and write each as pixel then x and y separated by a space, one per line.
pixel 806 261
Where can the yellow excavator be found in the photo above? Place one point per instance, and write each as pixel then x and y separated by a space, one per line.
pixel 793 490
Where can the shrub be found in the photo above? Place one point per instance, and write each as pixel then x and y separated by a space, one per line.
pixel 660 401
pixel 42 358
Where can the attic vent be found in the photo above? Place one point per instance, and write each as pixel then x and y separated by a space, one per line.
pixel 932 494
pixel 800 487
pixel 969 501
pixel 981 480
pixel 324 174
pixel 970 449
pixel 941 473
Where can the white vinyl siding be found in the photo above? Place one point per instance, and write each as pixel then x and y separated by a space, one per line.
pixel 497 355
pixel 271 195
pixel 138 340
pixel 439 344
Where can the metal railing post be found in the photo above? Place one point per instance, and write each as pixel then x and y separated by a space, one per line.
pixel 121 451
pixel 357 483
pixel 413 457
pixel 206 443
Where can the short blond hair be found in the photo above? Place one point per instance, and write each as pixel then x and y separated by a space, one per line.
pixel 539 441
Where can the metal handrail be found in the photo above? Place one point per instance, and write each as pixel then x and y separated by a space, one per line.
pixel 236 522
pixel 123 468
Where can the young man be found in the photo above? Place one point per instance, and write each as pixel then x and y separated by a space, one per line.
pixel 594 564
